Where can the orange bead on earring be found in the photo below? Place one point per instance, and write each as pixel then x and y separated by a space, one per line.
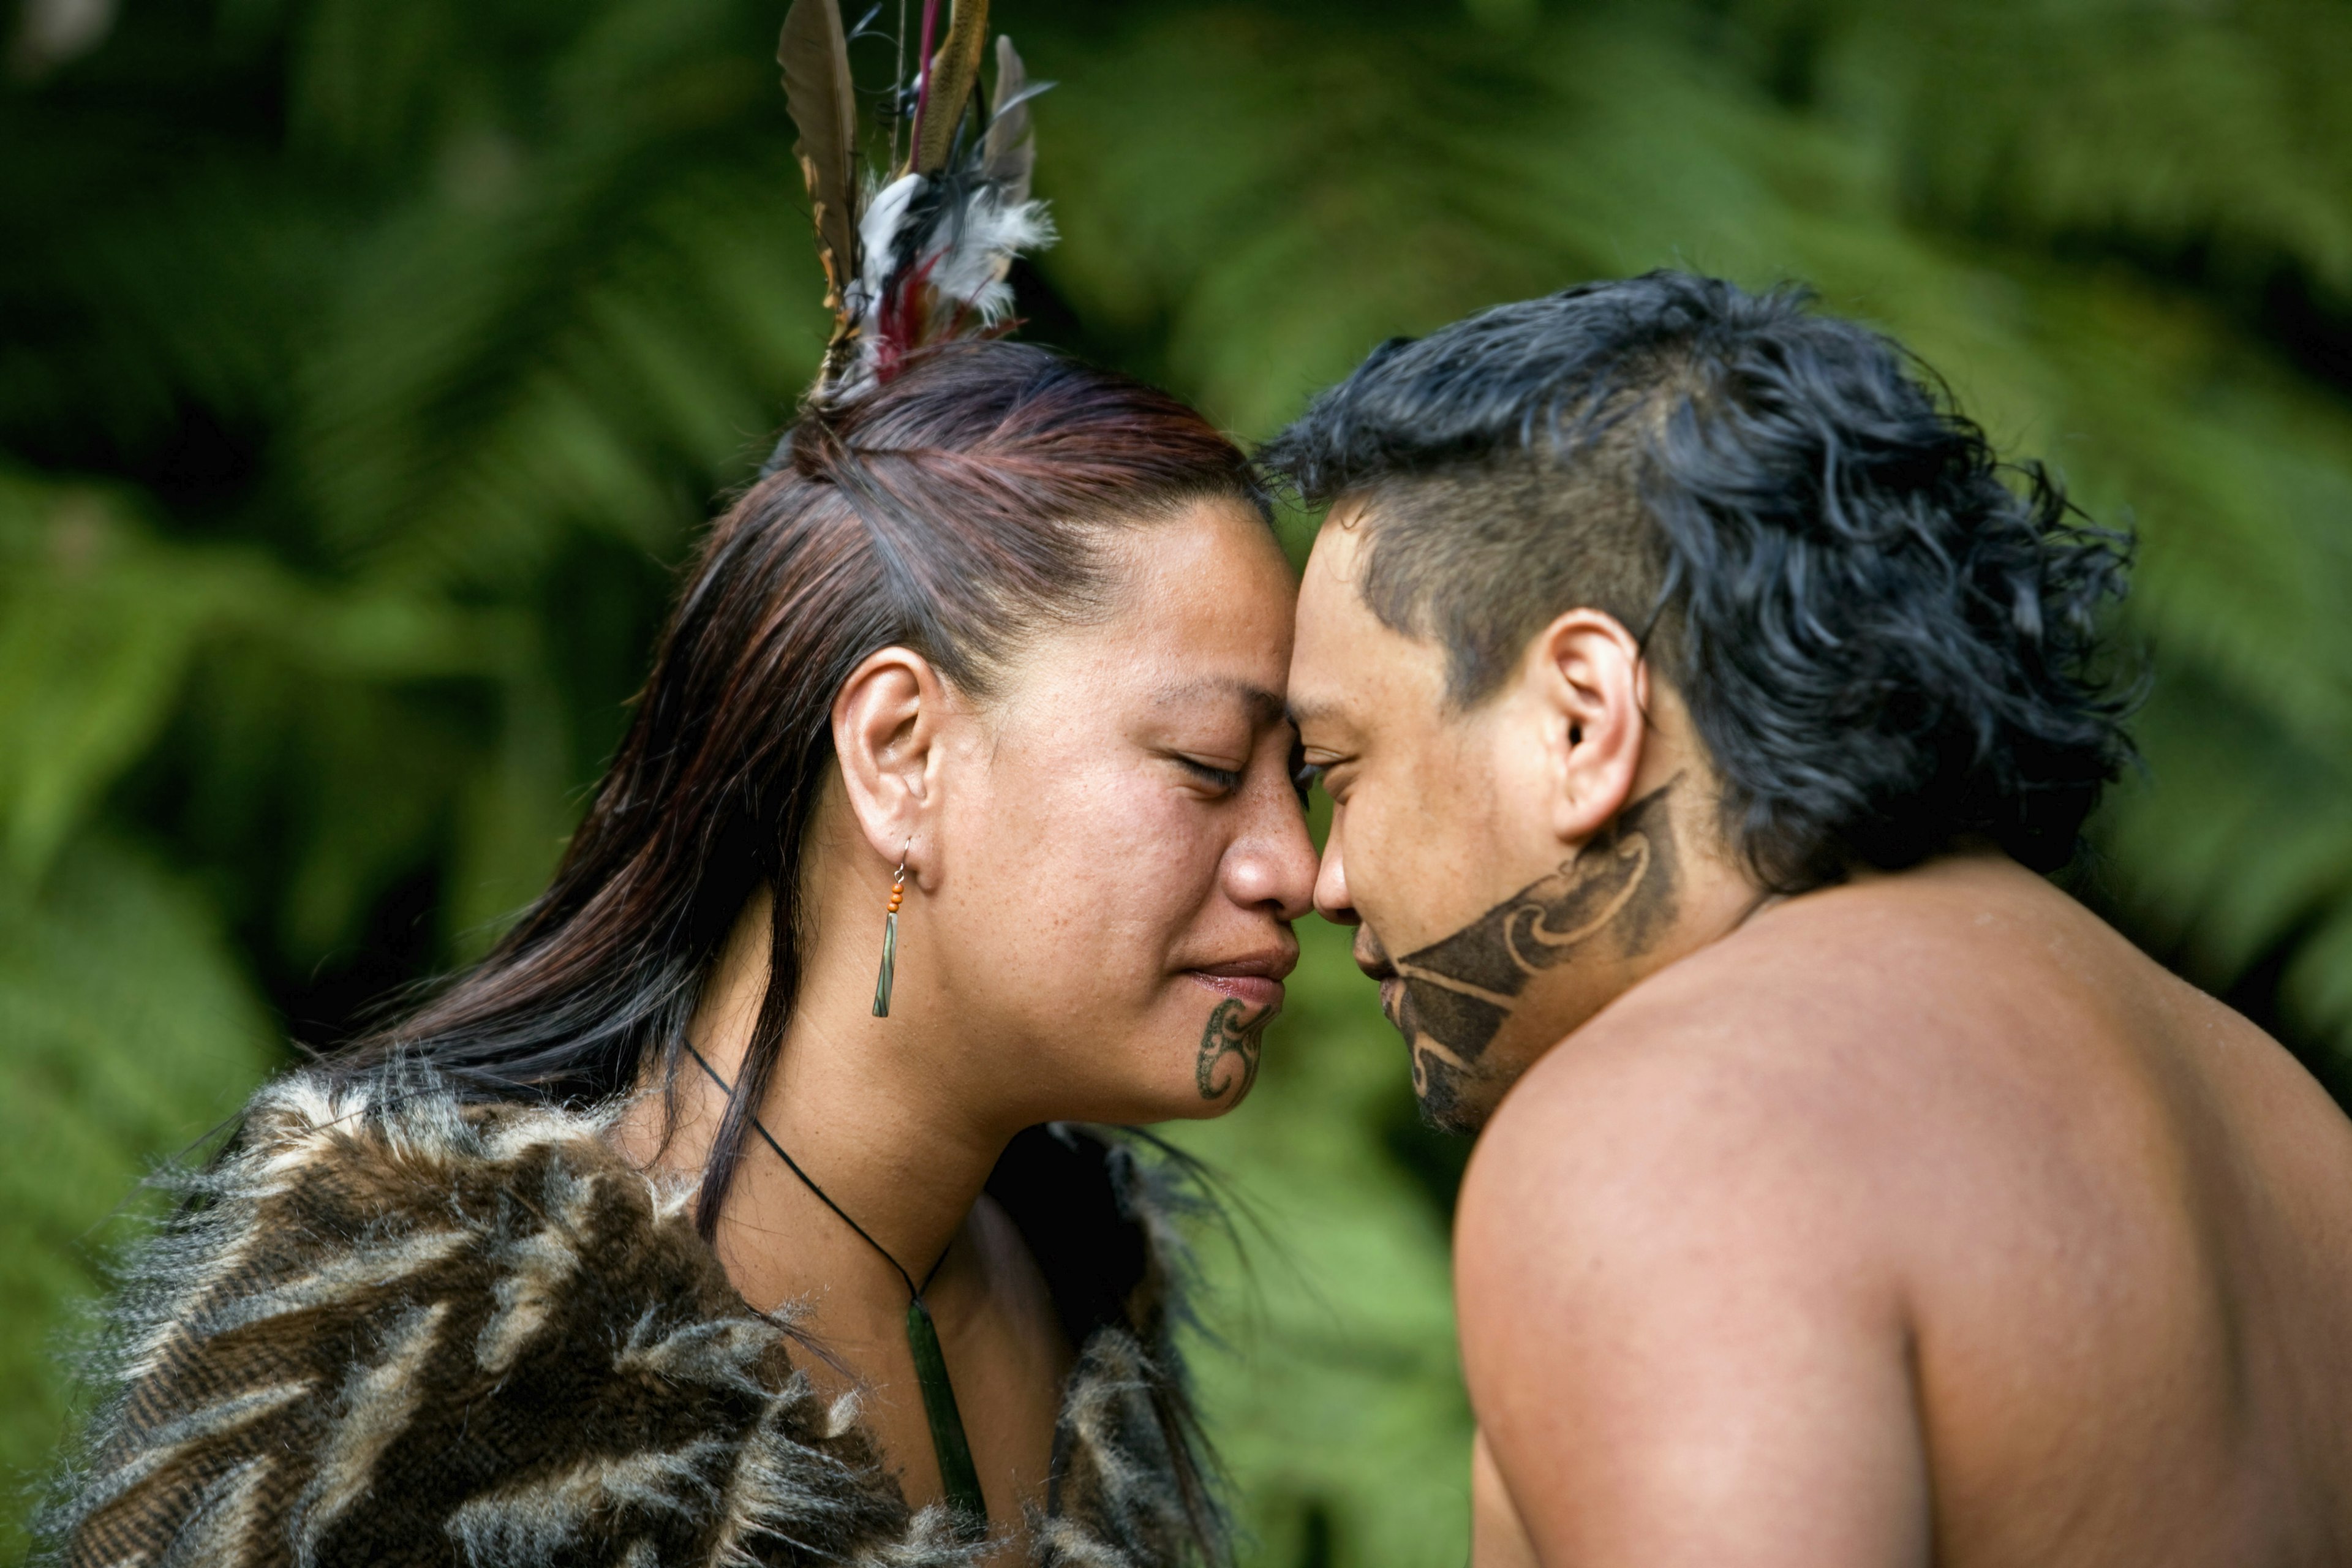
pixel 890 939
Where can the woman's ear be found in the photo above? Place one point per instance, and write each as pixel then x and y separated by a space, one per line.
pixel 1593 686
pixel 886 731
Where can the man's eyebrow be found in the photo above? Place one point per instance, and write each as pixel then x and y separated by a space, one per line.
pixel 1264 707
pixel 1302 714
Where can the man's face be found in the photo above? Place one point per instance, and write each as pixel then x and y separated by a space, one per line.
pixel 1471 913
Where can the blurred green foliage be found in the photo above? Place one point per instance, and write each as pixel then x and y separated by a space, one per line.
pixel 367 363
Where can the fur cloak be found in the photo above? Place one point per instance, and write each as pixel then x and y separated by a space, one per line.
pixel 390 1328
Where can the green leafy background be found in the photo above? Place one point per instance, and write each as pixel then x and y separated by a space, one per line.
pixel 367 365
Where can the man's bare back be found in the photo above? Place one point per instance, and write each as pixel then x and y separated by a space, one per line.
pixel 1927 1187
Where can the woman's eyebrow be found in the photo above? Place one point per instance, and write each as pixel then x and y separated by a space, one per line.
pixel 1265 707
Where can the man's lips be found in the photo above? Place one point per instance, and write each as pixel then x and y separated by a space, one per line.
pixel 1372 958
pixel 1255 981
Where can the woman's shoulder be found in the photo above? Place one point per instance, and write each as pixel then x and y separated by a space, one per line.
pixel 390 1323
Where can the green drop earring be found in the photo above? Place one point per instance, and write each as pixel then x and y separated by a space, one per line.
pixel 890 938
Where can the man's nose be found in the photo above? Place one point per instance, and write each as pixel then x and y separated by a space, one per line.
pixel 1331 899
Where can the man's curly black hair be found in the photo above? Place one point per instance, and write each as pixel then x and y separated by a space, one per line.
pixel 1888 640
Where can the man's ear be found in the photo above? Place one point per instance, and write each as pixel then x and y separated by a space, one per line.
pixel 1590 675
pixel 886 731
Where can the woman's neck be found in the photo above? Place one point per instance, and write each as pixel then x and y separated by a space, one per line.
pixel 860 1103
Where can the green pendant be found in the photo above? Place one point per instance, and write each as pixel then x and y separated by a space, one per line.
pixel 956 1475
pixel 889 962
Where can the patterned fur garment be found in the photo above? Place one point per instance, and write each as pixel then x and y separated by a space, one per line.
pixel 391 1329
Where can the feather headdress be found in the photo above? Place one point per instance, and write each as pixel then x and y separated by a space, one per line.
pixel 917 256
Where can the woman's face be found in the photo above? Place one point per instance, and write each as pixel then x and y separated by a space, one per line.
pixel 1122 848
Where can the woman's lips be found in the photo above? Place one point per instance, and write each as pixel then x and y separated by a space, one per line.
pixel 1255 980
pixel 1253 991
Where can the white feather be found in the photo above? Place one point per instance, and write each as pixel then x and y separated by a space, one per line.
pixel 877 245
pixel 878 239
pixel 970 275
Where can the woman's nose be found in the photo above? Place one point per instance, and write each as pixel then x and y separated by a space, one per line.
pixel 1274 864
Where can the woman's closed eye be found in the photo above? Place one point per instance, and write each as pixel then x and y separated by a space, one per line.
pixel 1224 779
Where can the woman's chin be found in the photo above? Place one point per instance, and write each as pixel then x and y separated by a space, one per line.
pixel 1231 1100
pixel 1177 1101
pixel 1192 1056
pixel 1181 1082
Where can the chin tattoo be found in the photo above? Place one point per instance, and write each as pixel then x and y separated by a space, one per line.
pixel 1233 1034
pixel 1454 995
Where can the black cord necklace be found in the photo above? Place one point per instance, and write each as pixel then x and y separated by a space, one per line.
pixel 958 1476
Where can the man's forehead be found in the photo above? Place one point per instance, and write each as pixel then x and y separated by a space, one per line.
pixel 1333 625
pixel 1327 659
pixel 1340 539
pixel 1349 668
pixel 1329 597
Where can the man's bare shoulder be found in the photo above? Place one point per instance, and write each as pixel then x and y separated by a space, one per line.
pixel 1946 954
pixel 1829 1002
pixel 1896 989
pixel 1844 1069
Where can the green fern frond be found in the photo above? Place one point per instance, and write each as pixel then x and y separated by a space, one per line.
pixel 128 1032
